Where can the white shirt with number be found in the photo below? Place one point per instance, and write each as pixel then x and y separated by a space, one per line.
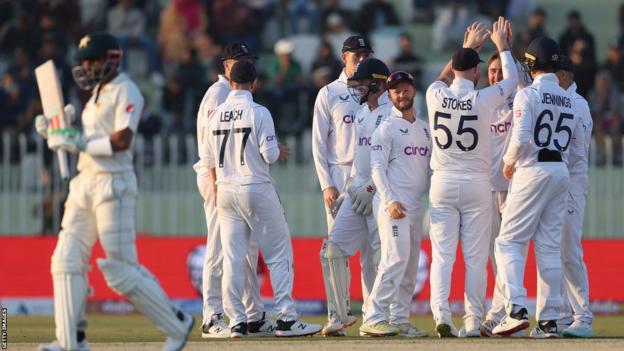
pixel 333 130
pixel 400 157
pixel 119 106
pixel 367 121
pixel 214 96
pixel 579 157
pixel 241 141
pixel 543 119
pixel 460 118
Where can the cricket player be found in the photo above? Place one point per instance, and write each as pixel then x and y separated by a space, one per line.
pixel 214 325
pixel 460 195
pixel 575 284
pixel 333 131
pixel 499 131
pixel 536 159
pixel 401 150
pixel 101 203
pixel 355 227
pixel 240 147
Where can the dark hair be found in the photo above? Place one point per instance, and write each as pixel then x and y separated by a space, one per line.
pixel 495 56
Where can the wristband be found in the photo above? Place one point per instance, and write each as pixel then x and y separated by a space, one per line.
pixel 99 147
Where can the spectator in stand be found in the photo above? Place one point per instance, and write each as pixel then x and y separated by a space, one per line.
pixel 584 66
pixel 302 9
pixel 615 65
pixel 535 29
pixel 333 7
pixel 574 31
pixel 182 23
pixel 336 31
pixel 376 14
pixel 49 28
pixel 285 80
pixel 20 32
pixel 127 22
pixel 15 101
pixel 605 103
pixel 233 21
pixel 408 61
pixel 326 58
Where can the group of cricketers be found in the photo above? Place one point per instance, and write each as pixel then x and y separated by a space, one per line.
pixel 504 165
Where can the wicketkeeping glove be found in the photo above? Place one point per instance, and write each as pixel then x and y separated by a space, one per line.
pixel 42 123
pixel 336 206
pixel 362 200
pixel 68 139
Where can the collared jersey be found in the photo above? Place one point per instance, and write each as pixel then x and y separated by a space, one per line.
pixel 119 106
pixel 241 141
pixel 579 158
pixel 400 158
pixel 460 118
pixel 214 96
pixel 366 121
pixel 544 118
pixel 333 130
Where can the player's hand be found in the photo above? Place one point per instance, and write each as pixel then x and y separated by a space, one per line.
pixel 329 196
pixel 41 126
pixel 500 34
pixel 475 36
pixel 509 35
pixel 508 171
pixel 284 152
pixel 396 210
pixel 68 139
pixel 337 203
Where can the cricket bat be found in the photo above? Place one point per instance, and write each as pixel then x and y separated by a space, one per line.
pixel 53 103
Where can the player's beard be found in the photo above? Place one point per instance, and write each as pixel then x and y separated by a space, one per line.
pixel 403 105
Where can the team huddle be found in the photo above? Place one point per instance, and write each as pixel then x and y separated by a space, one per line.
pixel 503 165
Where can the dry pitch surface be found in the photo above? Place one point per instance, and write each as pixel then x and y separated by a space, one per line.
pixel 136 333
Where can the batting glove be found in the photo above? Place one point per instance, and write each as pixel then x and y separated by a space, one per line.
pixel 42 122
pixel 69 139
pixel 362 202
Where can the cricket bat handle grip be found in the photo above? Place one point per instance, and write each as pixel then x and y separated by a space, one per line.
pixel 63 166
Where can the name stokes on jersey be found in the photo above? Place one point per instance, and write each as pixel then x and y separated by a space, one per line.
pixel 455 104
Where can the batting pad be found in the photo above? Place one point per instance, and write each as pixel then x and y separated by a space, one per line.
pixel 70 295
pixel 337 279
pixel 144 291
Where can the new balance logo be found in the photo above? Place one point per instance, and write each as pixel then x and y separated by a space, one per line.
pixel 301 326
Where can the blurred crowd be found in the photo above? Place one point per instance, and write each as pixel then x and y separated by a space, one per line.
pixel 172 49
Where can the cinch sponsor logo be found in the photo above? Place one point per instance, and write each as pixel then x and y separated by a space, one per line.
pixel 364 141
pixel 500 127
pixel 270 138
pixel 416 150
pixel 376 147
pixel 348 119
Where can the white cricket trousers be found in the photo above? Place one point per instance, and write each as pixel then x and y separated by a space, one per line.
pixel 352 232
pixel 396 275
pixel 213 271
pixel 497 309
pixel 535 209
pixel 339 175
pixel 461 209
pixel 576 283
pixel 246 211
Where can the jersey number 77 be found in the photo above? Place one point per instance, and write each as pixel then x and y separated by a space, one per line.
pixel 226 135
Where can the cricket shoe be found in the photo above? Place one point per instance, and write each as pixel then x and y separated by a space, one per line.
pixel 563 325
pixel 486 330
pixel 55 346
pixel 263 327
pixel 296 328
pixel 217 328
pixel 336 328
pixel 445 328
pixel 238 331
pixel 472 333
pixel 382 328
pixel 408 330
pixel 177 344
pixel 512 323
pixel 579 329
pixel 545 330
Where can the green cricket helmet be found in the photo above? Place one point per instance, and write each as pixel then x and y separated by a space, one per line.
pixel 94 46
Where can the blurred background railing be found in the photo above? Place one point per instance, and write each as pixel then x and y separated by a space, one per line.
pixel 32 195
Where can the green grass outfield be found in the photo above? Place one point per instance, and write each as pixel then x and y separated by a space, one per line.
pixel 136 333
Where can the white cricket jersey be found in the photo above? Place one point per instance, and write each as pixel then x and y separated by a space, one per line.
pixel 579 156
pixel 400 158
pixel 214 96
pixel 333 130
pixel 543 119
pixel 366 123
pixel 119 106
pixel 241 141
pixel 460 118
